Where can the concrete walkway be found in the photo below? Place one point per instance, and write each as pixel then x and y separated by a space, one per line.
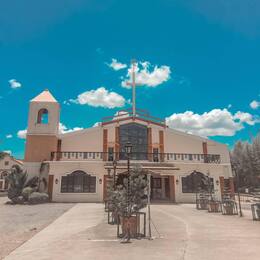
pixel 180 232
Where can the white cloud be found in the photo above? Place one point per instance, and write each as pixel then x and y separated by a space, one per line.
pixel 97 124
pixel 255 104
pixel 9 136
pixel 14 83
pixel 65 102
pixel 64 129
pixel 100 97
pixel 245 118
pixel 22 134
pixel 8 152
pixel 116 65
pixel 148 75
pixel 217 122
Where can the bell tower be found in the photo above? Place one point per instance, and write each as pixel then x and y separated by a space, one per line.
pixel 43 127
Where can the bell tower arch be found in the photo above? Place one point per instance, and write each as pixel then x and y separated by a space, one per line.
pixel 43 127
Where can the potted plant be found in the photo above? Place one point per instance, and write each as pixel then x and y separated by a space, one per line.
pixel 202 200
pixel 23 190
pixel 229 207
pixel 258 210
pixel 203 203
pixel 213 205
pixel 126 203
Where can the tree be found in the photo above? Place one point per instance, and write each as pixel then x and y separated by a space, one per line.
pixel 245 157
pixel 126 203
pixel 18 181
pixel 256 154
pixel 2 155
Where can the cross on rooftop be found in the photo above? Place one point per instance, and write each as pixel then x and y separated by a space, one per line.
pixel 133 85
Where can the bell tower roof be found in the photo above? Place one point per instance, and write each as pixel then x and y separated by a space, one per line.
pixel 45 96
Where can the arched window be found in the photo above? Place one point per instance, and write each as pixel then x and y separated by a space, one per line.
pixel 197 182
pixel 43 116
pixel 78 182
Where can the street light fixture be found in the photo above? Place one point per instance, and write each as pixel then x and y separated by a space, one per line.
pixel 114 174
pixel 128 149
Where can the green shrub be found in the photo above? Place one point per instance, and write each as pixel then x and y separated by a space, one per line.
pixel 38 198
pixel 27 192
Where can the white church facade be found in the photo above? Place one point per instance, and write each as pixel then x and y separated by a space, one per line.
pixel 75 166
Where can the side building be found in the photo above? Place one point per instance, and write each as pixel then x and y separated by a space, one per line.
pixel 76 166
pixel 6 163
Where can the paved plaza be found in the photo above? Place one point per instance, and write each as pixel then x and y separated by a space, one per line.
pixel 18 223
pixel 179 231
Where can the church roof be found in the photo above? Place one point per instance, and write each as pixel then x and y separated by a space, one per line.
pixel 127 114
pixel 45 96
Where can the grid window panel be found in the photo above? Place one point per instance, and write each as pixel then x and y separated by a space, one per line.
pixel 78 182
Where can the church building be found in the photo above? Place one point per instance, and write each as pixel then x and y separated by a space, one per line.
pixel 76 166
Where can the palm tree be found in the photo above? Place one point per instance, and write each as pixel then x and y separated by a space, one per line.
pixel 17 181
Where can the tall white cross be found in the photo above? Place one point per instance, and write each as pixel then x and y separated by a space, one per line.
pixel 133 85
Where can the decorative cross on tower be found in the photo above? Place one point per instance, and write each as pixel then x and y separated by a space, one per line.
pixel 133 85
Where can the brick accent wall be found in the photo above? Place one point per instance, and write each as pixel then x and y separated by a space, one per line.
pixel 105 184
pixel 205 148
pixel 231 186
pixel 161 143
pixel 117 144
pixel 59 149
pixel 150 144
pixel 172 188
pixel 39 147
pixel 105 143
pixel 221 183
pixel 50 186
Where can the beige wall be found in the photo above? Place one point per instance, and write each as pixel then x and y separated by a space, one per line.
pixel 32 168
pixel 178 142
pixel 59 169
pixel 88 140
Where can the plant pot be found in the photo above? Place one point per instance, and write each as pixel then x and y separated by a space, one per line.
pixel 258 213
pixel 132 224
pixel 213 206
pixel 115 217
pixel 203 204
pixel 228 209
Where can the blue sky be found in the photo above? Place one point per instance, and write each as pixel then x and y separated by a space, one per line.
pixel 201 72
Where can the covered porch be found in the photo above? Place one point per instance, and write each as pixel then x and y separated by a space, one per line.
pixel 162 182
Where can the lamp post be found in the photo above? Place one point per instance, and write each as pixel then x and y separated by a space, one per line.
pixel 128 149
pixel 148 203
pixel 114 174
pixel 238 192
pixel 210 188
